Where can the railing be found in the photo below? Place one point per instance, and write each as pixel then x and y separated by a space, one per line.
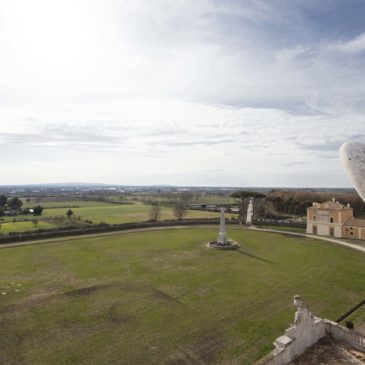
pixel 342 334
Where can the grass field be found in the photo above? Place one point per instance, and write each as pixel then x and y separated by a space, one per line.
pixel 358 319
pixel 162 297
pixel 96 212
pixel 285 228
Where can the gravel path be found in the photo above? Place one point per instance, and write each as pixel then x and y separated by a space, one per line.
pixel 322 238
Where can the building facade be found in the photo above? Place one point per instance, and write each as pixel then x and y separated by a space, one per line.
pixel 334 219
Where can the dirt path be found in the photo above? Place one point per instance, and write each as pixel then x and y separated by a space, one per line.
pixel 332 240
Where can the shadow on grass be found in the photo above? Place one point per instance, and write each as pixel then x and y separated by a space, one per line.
pixel 255 257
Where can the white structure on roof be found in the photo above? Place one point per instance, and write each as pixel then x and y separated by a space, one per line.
pixel 352 156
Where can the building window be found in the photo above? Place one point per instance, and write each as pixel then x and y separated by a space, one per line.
pixel 314 229
pixel 332 231
pixel 351 233
pixel 314 217
pixel 331 220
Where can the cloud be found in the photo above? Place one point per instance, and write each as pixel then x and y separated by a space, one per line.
pixel 249 87
pixel 355 45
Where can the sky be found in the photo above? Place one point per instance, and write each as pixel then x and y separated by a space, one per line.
pixel 180 92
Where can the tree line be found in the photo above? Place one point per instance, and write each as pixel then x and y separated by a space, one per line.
pixel 14 205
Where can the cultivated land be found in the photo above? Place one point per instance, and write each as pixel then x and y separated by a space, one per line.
pixel 162 297
pixel 54 215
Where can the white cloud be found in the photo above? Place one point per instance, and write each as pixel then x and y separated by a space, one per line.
pixel 149 141
pixel 167 92
pixel 355 45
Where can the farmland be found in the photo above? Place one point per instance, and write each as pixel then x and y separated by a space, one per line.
pixel 54 215
pixel 162 297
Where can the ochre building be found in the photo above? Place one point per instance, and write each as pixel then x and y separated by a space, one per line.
pixel 334 219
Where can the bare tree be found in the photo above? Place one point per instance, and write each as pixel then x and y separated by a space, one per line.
pixel 155 212
pixel 179 209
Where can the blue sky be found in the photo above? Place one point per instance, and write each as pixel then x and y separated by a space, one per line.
pixel 231 93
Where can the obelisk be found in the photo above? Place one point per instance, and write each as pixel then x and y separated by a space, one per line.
pixel 222 236
pixel 249 212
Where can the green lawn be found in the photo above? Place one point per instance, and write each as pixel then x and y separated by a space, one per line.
pixel 96 212
pixel 65 204
pixel 9 226
pixel 285 228
pixel 124 213
pixel 162 297
pixel 358 319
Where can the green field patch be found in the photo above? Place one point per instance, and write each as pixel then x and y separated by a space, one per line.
pixel 54 215
pixel 7 227
pixel 162 297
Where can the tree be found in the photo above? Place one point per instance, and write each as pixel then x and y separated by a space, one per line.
pixel 3 200
pixel 243 196
pixel 155 213
pixel 35 222
pixel 69 214
pixel 15 203
pixel 179 209
pixel 37 210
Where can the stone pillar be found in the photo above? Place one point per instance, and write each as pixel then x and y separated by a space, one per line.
pixel 222 236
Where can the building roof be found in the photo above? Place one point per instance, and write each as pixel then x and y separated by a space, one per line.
pixel 355 222
pixel 329 205
pixel 329 352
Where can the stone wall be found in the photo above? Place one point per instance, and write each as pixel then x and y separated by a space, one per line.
pixel 305 332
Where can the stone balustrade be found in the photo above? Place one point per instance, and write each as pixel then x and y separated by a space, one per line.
pixel 345 335
pixel 305 332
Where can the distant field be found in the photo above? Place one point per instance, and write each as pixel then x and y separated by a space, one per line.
pixel 96 212
pixel 208 198
pixel 162 297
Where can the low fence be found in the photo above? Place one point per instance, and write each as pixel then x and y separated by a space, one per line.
pixel 349 312
pixel 27 236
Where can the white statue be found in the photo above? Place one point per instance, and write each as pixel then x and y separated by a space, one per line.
pixel 303 317
pixel 249 212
